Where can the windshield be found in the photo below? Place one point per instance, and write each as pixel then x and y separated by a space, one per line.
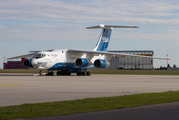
pixel 40 55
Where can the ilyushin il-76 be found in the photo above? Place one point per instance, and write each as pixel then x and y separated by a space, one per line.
pixel 67 61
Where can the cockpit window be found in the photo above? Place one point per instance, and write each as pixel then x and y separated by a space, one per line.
pixel 40 55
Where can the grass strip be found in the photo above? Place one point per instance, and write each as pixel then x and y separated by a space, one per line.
pixel 85 105
pixel 125 72
pixel 137 72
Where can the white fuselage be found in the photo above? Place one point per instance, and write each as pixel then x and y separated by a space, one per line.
pixel 59 59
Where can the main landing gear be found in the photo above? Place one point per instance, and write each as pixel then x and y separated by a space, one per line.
pixel 83 73
pixel 67 73
pixel 63 73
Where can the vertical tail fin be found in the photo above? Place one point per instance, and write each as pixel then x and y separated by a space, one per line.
pixel 104 38
pixel 103 41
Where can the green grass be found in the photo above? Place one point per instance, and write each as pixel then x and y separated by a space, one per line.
pixel 85 105
pixel 129 72
pixel 137 72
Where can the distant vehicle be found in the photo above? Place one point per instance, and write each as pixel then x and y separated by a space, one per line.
pixel 67 61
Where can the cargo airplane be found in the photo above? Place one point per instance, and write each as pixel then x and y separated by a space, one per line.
pixel 67 61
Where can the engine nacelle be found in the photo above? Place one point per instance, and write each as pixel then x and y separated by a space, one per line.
pixel 83 62
pixel 27 63
pixel 99 63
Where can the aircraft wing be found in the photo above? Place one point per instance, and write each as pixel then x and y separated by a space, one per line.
pixel 21 56
pixel 77 51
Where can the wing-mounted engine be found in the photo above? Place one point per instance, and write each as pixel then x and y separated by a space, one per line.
pixel 83 62
pixel 100 63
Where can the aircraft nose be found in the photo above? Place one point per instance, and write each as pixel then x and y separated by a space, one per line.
pixel 34 62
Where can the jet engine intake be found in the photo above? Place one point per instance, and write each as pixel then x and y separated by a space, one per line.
pixel 27 63
pixel 99 63
pixel 83 62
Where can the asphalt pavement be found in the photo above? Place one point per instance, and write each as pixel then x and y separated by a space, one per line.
pixel 166 111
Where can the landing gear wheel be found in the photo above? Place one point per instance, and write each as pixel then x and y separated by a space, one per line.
pixel 68 73
pixel 88 73
pixel 83 73
pixel 59 73
pixel 50 74
pixel 63 72
pixel 78 73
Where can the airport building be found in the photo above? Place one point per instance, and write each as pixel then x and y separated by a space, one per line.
pixel 121 62
pixel 124 62
pixel 14 64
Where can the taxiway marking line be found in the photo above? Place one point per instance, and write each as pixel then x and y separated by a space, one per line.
pixel 2 84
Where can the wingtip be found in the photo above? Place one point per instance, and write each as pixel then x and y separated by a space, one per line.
pixel 136 27
pixel 168 59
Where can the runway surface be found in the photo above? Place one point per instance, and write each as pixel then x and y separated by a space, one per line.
pixel 16 89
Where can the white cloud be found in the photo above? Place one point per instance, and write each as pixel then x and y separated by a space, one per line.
pixel 55 20
pixel 90 11
pixel 2 27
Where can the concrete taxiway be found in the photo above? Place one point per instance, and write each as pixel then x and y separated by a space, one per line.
pixel 18 89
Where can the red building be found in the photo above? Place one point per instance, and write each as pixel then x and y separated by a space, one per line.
pixel 15 64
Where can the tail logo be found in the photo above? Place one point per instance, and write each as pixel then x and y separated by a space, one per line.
pixel 104 39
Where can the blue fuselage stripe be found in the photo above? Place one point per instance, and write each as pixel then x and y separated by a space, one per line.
pixel 72 67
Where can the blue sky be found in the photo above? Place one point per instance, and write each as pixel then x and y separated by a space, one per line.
pixel 47 24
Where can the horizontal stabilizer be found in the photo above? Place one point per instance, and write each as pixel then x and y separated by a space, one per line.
pixel 110 26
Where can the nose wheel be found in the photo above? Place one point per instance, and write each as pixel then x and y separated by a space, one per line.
pixel 50 73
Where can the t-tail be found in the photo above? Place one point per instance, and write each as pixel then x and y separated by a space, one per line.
pixel 104 38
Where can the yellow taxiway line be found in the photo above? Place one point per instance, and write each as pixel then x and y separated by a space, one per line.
pixel 2 84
